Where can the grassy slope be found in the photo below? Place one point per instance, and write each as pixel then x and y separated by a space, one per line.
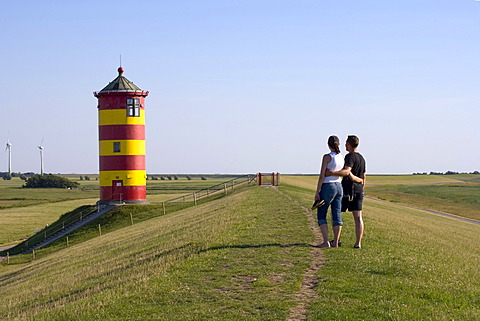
pixel 413 266
pixel 237 258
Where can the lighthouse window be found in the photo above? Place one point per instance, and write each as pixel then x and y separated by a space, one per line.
pixel 116 147
pixel 133 107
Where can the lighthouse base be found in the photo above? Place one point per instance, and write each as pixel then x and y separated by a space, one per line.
pixel 124 194
pixel 124 202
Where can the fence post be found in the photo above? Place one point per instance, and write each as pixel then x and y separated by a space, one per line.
pixel 33 254
pixel 8 257
pixel 67 241
pixel 208 191
pixel 131 217
pixel 163 205
pixel 100 229
pixel 194 198
pixel 45 235
pixel 225 188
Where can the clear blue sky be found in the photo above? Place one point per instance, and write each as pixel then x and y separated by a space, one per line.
pixel 248 85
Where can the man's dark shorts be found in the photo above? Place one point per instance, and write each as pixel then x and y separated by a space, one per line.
pixel 352 205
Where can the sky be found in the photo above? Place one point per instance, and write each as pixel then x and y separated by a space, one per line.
pixel 246 86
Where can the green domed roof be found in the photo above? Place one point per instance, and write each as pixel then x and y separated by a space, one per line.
pixel 120 83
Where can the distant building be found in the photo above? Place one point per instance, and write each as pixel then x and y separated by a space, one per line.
pixel 121 124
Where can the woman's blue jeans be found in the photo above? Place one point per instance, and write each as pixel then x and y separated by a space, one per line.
pixel 332 194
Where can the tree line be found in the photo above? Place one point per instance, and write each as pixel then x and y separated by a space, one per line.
pixel 447 173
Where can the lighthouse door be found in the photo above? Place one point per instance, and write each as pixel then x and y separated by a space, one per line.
pixel 117 190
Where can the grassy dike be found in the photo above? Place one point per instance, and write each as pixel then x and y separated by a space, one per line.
pixel 241 257
pixel 413 266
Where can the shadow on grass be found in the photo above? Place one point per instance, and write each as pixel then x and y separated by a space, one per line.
pixel 256 246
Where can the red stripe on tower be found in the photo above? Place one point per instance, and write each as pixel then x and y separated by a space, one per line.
pixel 121 132
pixel 123 162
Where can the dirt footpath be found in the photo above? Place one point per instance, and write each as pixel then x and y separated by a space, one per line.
pixel 307 294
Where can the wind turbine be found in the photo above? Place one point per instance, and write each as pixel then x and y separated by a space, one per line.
pixel 41 148
pixel 9 148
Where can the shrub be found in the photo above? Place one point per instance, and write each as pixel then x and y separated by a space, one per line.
pixel 49 181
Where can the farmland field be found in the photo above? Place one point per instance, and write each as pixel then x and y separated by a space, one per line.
pixel 453 194
pixel 245 256
pixel 310 181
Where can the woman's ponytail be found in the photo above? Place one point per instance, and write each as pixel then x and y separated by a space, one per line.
pixel 334 143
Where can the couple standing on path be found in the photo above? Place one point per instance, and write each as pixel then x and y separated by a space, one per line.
pixel 341 194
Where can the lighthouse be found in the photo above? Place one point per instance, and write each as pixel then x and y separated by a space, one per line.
pixel 121 135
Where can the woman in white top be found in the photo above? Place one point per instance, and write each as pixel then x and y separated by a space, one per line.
pixel 329 189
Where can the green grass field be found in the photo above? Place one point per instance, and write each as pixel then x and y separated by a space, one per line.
pixel 25 211
pixel 244 257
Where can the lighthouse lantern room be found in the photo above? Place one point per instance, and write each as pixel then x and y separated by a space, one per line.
pixel 121 131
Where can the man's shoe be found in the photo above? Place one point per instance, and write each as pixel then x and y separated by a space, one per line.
pixel 339 242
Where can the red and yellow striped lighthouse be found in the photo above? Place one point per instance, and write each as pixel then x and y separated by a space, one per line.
pixel 121 131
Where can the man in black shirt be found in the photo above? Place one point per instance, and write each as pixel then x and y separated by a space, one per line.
pixel 354 177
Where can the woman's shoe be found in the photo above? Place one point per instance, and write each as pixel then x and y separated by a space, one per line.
pixel 317 204
pixel 327 244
